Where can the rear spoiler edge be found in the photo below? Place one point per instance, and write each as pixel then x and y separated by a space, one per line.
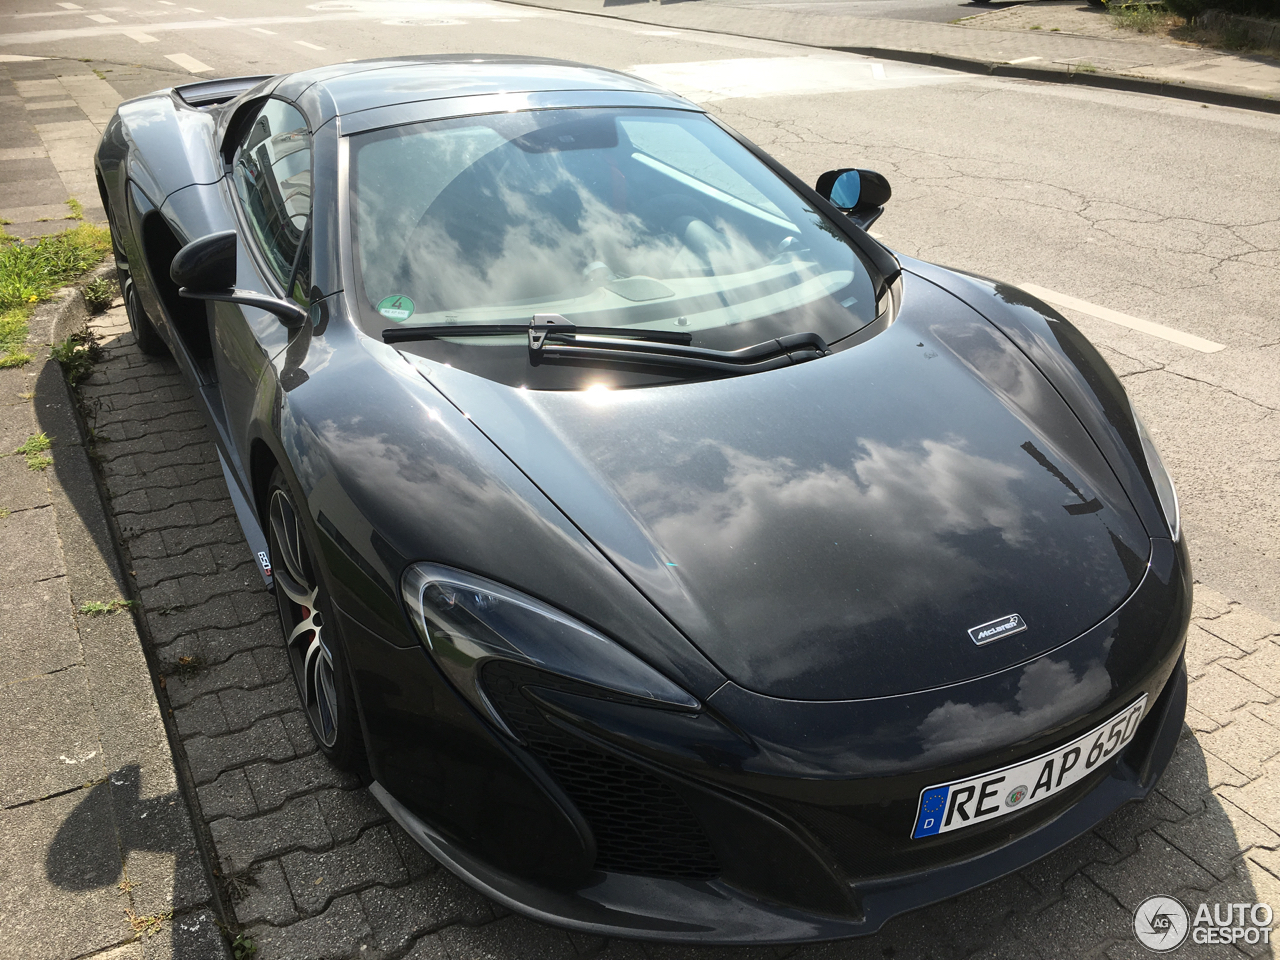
pixel 209 93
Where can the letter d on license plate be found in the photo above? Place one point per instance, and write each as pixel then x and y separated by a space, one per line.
pixel 962 803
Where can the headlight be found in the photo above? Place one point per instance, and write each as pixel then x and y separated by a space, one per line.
pixel 1164 483
pixel 465 621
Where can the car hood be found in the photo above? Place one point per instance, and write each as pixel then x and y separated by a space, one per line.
pixel 834 530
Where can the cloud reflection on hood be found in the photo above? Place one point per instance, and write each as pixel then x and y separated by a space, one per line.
pixel 1048 693
pixel 889 521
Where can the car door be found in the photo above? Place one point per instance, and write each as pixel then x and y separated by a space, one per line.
pixel 271 185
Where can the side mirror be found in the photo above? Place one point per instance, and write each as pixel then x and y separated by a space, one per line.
pixel 205 269
pixel 860 194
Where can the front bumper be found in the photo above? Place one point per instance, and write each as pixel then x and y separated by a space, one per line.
pixel 805 852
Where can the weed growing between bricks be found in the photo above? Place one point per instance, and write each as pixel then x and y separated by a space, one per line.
pixel 77 355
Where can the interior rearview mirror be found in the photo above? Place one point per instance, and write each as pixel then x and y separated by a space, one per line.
pixel 860 194
pixel 205 269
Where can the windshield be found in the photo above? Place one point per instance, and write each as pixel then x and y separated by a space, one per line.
pixel 645 219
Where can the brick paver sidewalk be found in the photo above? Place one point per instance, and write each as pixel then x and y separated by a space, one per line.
pixel 323 873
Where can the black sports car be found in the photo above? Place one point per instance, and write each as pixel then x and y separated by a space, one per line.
pixel 677 561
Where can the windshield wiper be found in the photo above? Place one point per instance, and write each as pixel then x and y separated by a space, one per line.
pixel 537 331
pixel 556 339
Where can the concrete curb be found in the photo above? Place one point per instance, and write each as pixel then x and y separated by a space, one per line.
pixel 97 568
pixel 1215 94
pixel 1197 93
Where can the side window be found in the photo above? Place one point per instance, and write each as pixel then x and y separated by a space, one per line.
pixel 272 174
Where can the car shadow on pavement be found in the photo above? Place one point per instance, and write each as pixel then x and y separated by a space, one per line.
pixel 56 416
pixel 142 845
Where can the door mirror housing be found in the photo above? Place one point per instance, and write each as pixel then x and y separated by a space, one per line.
pixel 207 264
pixel 205 269
pixel 860 194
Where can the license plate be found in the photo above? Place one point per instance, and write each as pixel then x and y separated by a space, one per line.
pixel 963 803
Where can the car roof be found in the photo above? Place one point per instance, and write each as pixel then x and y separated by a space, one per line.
pixel 344 89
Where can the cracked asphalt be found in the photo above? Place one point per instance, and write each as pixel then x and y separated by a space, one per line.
pixel 1161 210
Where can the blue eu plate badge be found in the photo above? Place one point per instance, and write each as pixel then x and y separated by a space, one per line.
pixel 932 806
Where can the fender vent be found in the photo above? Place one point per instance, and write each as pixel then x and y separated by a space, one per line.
pixel 640 823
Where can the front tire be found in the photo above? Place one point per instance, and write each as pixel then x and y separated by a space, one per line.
pixel 144 331
pixel 314 649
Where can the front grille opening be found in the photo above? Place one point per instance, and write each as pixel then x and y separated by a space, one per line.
pixel 641 824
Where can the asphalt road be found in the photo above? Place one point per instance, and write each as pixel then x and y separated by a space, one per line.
pixel 1159 210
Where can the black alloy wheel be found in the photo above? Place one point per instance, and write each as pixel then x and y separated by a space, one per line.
pixel 311 641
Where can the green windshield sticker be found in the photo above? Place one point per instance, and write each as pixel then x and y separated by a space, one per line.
pixel 396 308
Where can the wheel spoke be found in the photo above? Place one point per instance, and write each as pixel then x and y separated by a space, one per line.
pixel 299 601
pixel 284 523
pixel 306 626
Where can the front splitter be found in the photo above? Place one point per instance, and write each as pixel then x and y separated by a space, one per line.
pixel 682 911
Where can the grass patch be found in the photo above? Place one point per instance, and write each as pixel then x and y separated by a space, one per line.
pixel 77 354
pixel 243 947
pixel 97 608
pixel 1141 17
pixel 1232 39
pixel 1084 66
pixel 31 272
pixel 34 450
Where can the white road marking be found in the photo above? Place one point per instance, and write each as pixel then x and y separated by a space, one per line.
pixel 270 33
pixel 310 46
pixel 14 58
pixel 187 62
pixel 1124 320
pixel 193 9
pixel 140 36
pixel 70 6
pixel 1024 60
pixel 877 71
pixel 352 11
pixel 167 3
pixel 100 18
pixel 50 105
pixel 709 80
